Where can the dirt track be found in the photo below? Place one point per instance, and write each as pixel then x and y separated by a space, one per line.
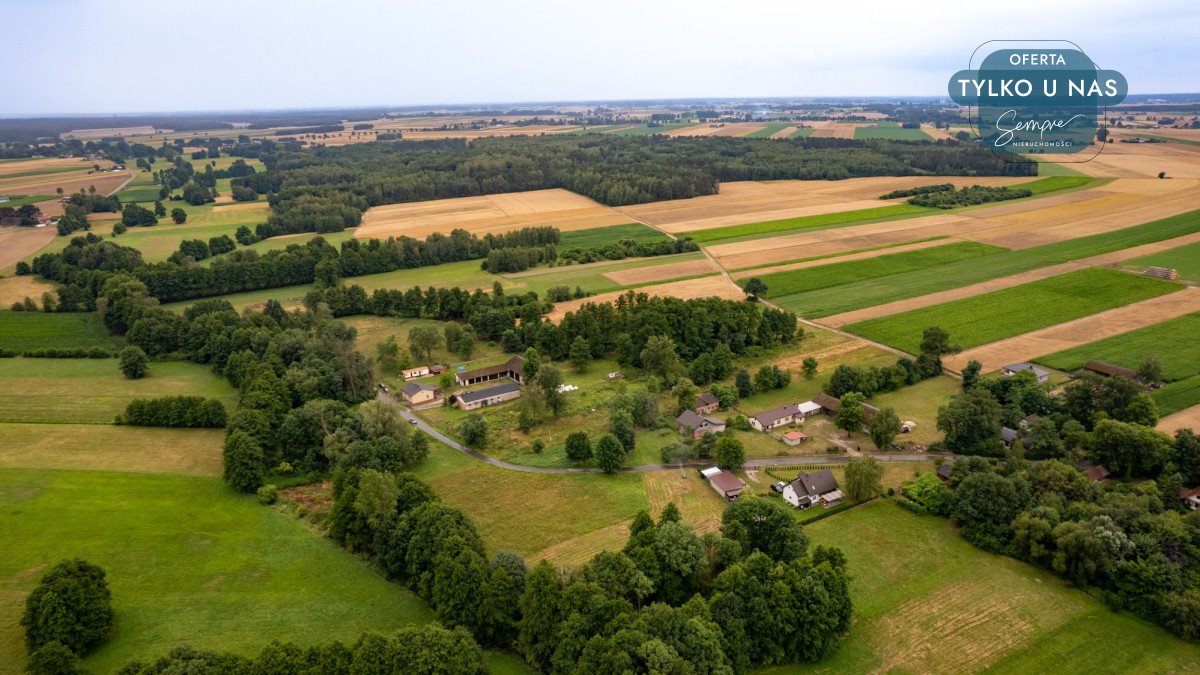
pixel 1080 331
pixel 1188 418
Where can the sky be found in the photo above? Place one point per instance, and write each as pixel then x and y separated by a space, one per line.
pixel 86 56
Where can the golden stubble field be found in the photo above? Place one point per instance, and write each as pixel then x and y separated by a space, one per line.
pixel 742 202
pixel 488 214
pixel 735 129
pixel 1018 225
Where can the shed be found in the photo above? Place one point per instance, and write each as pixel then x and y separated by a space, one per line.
pixel 725 483
pixel 1108 369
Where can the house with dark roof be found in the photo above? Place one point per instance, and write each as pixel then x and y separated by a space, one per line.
pixel 1013 369
pixel 818 487
pixel 1096 473
pixel 725 483
pixel 695 425
pixel 775 417
pixel 1108 370
pixel 510 369
pixel 473 400
pixel 707 403
pixel 419 395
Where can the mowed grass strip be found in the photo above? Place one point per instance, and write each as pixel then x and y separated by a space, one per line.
pixel 93 391
pixel 98 447
pixel 1176 343
pixel 1184 259
pixel 598 236
pixel 770 130
pixel 836 274
pixel 871 292
pixel 889 212
pixel 1177 395
pixel 927 601
pixel 21 331
pixel 1012 311
pixel 188 561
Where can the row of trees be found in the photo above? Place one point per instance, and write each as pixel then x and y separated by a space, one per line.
pixel 195 412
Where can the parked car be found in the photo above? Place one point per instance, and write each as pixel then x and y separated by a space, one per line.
pixel 778 487
pixel 384 387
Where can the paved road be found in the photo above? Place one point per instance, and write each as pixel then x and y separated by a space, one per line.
pixel 642 468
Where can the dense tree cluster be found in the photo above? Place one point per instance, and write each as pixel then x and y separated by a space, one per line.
pixel 193 412
pixel 968 196
pixel 671 600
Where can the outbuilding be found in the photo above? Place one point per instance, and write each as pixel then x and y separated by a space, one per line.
pixel 725 483
pixel 473 400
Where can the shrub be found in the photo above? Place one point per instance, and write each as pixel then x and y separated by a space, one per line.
pixel 71 605
pixel 133 363
pixel 268 494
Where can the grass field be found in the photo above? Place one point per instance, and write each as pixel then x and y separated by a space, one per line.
pixel 1177 395
pixel 890 131
pixel 1176 343
pixel 15 201
pixel 646 130
pixel 1185 260
pixel 870 292
pixel 757 230
pixel 188 561
pixel 802 133
pixel 94 390
pixel 1049 168
pixel 927 601
pixel 101 447
pixel 835 274
pixel 20 331
pixel 598 236
pixel 994 316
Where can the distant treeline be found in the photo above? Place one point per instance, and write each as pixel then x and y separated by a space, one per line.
pixel 322 129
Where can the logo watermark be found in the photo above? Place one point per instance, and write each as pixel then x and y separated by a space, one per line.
pixel 1037 99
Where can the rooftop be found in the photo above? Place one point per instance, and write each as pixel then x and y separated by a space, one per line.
pixel 480 394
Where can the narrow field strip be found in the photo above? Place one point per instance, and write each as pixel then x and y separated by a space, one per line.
pixel 987 318
pixel 1175 342
pixel 100 447
pixel 759 230
pixel 837 273
pixel 1113 325
pixel 858 254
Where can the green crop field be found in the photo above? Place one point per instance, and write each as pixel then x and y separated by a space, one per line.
pixel 1049 168
pixel 1000 314
pixel 15 201
pixel 871 292
pixel 769 130
pixel 748 231
pixel 1177 395
pixel 892 133
pixel 598 236
pixel 1185 260
pixel 927 601
pixel 835 274
pixel 801 133
pixel 188 561
pixel 1055 184
pixel 94 390
pixel 20 331
pixel 1175 342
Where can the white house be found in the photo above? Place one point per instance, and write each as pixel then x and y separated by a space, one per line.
pixel 818 487
pixel 419 371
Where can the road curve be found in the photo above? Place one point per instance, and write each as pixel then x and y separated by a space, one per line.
pixel 642 468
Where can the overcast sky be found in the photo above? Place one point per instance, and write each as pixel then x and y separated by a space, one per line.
pixel 87 56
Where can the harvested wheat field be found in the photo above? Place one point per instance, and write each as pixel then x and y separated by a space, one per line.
pixel 1188 418
pixel 935 133
pixel 1016 225
pixel 785 132
pixel 1141 160
pixel 834 130
pixel 526 130
pixel 491 213
pixel 18 243
pixel 244 206
pixel 16 289
pixel 703 287
pixel 645 275
pixel 71 181
pixel 863 255
pixel 718 129
pixel 741 202
pixel 700 506
pixel 1080 331
pixel 48 164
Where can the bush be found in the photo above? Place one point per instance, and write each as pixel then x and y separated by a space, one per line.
pixel 71 605
pixel 268 494
pixel 53 658
pixel 133 363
